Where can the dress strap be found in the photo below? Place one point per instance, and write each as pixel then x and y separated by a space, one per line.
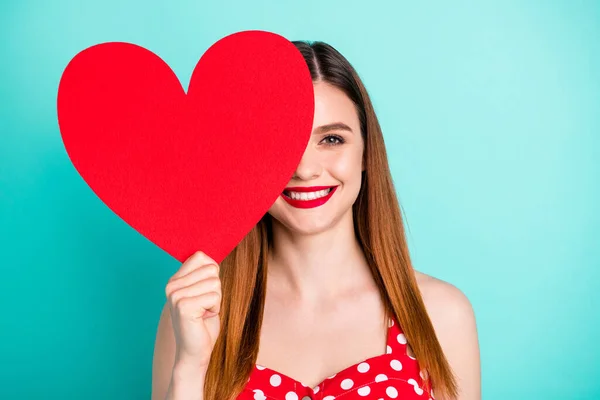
pixel 396 341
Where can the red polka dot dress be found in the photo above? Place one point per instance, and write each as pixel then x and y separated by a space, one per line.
pixel 394 375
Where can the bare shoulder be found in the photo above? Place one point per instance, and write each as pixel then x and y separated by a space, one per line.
pixel 443 299
pixel 453 319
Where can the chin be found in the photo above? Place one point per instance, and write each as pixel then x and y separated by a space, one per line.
pixel 307 225
pixel 310 227
pixel 314 221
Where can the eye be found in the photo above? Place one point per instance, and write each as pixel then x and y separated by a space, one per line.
pixel 333 140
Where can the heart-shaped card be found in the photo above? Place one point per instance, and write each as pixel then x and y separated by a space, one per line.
pixel 191 171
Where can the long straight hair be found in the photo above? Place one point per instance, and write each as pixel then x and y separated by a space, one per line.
pixel 379 228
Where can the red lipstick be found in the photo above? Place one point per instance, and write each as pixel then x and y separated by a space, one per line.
pixel 308 203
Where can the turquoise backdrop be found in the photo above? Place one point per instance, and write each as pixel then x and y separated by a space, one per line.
pixel 491 116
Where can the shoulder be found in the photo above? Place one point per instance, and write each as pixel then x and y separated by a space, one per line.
pixel 444 301
pixel 453 319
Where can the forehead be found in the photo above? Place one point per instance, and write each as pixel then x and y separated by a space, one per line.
pixel 332 105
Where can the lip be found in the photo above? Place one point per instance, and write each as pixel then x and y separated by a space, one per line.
pixel 308 203
pixel 307 188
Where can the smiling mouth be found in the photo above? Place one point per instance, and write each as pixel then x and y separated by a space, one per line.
pixel 306 196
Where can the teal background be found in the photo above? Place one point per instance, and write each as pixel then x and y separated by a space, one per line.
pixel 491 116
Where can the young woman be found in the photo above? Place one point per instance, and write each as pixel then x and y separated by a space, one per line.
pixel 320 300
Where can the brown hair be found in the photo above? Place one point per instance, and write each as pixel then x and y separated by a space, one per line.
pixel 379 228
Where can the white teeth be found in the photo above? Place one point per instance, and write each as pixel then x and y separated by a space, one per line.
pixel 309 195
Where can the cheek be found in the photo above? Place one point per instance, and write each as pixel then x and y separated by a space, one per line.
pixel 346 166
pixel 277 204
pixel 277 209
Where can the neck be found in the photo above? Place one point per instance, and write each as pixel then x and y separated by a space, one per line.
pixel 308 269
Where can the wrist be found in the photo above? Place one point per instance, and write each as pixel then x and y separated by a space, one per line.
pixel 187 381
pixel 187 362
pixel 188 369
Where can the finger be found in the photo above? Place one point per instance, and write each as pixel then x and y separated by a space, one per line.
pixel 198 306
pixel 198 288
pixel 196 260
pixel 199 274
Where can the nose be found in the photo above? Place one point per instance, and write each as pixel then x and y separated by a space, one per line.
pixel 310 166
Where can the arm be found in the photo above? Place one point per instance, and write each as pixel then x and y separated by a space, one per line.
pixel 453 319
pixel 172 378
pixel 187 383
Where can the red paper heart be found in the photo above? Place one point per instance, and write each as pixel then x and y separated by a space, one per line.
pixel 191 171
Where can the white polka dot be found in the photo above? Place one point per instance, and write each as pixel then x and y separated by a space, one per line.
pixel 389 349
pixel 391 392
pixel 364 391
pixel 316 389
pixel 391 323
pixel 381 378
pixel 275 380
pixel 347 383
pixel 306 398
pixel 363 367
pixel 396 365
pixel 328 398
pixel 401 338
pixel 418 390
pixel 259 395
pixel 260 367
pixel 291 396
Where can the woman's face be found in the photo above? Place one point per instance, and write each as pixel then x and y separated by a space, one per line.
pixel 333 158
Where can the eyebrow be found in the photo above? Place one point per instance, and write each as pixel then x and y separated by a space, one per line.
pixel 336 126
